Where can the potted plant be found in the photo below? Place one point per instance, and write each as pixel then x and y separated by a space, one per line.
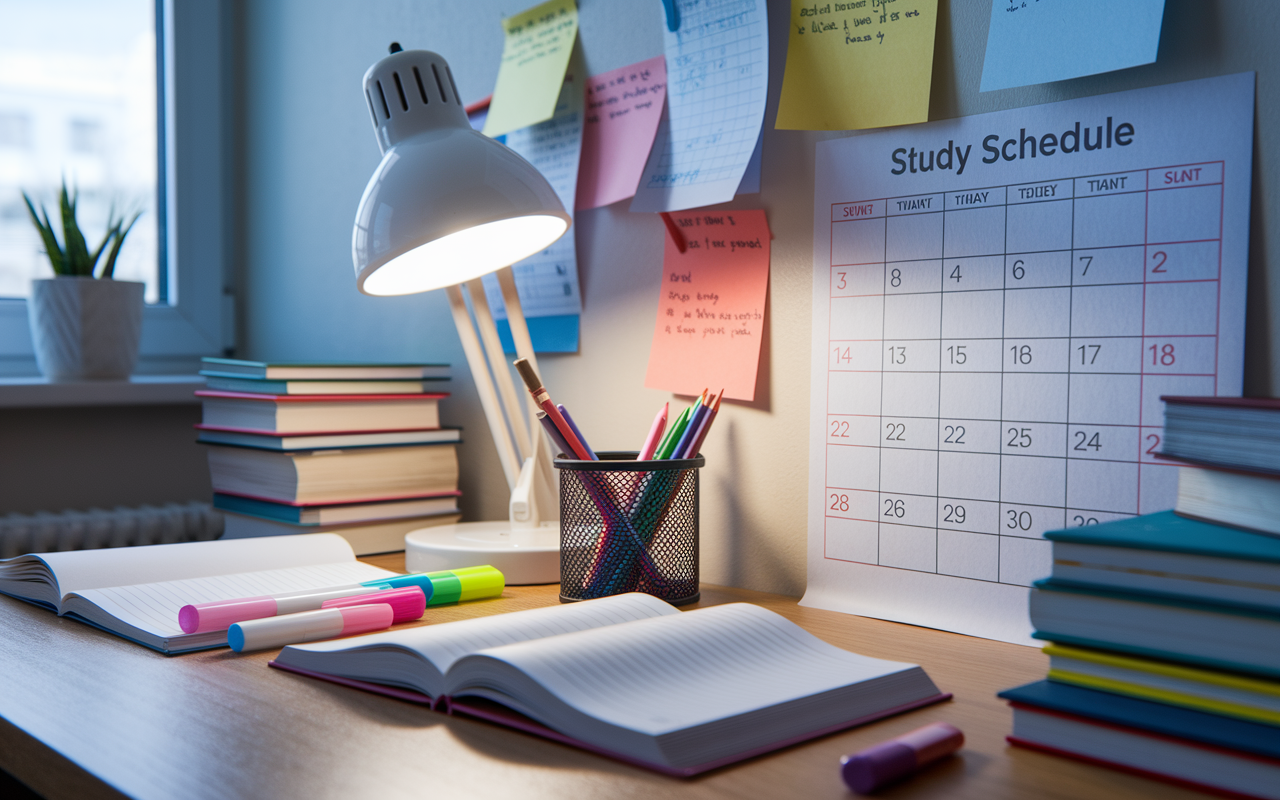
pixel 84 326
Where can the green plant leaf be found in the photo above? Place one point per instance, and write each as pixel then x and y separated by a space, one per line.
pixel 113 227
pixel 77 252
pixel 109 268
pixel 51 246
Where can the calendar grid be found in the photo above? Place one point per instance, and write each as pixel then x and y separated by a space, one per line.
pixel 1060 391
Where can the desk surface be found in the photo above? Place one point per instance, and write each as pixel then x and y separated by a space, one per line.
pixel 87 714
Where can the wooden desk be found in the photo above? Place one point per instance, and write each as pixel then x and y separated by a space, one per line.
pixel 87 714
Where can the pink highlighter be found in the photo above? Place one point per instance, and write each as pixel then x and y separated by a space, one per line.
pixel 407 604
pixel 897 758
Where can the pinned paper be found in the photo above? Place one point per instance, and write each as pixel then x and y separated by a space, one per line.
pixel 534 59
pixel 1039 42
pixel 547 281
pixel 717 77
pixel 623 109
pixel 711 305
pixel 858 65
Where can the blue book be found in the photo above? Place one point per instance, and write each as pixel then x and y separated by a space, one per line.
pixel 1168 532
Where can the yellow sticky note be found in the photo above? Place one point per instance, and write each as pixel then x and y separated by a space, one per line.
pixel 534 58
pixel 857 64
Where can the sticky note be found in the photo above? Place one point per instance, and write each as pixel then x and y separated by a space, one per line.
pixel 623 109
pixel 853 65
pixel 1033 42
pixel 717 79
pixel 535 56
pixel 711 305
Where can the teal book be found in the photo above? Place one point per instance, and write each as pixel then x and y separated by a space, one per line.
pixel 1171 556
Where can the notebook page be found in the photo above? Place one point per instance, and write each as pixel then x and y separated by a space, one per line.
pixel 78 570
pixel 446 643
pixel 153 607
pixel 689 669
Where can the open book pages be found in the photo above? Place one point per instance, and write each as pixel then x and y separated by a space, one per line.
pixel 136 592
pixel 678 691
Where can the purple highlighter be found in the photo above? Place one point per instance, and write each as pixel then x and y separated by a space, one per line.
pixel 899 757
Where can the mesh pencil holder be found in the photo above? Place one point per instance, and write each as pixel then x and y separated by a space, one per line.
pixel 629 526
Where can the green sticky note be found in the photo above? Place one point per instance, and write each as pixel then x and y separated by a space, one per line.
pixel 534 59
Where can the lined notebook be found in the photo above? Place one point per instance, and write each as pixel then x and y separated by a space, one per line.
pixel 631 677
pixel 136 592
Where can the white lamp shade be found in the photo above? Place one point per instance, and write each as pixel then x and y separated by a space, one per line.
pixel 447 203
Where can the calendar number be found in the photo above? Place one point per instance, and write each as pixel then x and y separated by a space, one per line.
pixel 956 352
pixel 839 429
pixel 1080 521
pixel 1151 451
pixel 1019 271
pixel 894 508
pixel 895 278
pixel 897 432
pixel 1019 437
pixel 839 502
pixel 1085 442
pixel 1159 257
pixel 953 513
pixel 955 274
pixel 1021 353
pixel 842 283
pixel 1019 520
pixel 1089 353
pixel 955 434
pixel 1087 261
pixel 898 354
pixel 843 355
pixel 1165 357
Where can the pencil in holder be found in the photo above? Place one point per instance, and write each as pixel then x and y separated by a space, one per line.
pixel 629 526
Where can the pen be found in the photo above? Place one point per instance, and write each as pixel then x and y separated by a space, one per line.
pixel 655 434
pixel 696 421
pixel 677 430
pixel 308 626
pixel 556 438
pixel 543 400
pixel 573 426
pixel 706 426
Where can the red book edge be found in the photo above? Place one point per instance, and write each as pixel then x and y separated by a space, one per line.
pixel 501 715
pixel 362 501
pixel 318 398
pixel 276 435
pixel 1243 402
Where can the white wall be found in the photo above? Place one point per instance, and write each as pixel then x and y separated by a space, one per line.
pixel 305 151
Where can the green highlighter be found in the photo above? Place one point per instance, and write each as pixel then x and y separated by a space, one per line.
pixel 460 585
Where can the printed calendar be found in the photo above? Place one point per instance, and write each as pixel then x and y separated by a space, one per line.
pixel 1000 301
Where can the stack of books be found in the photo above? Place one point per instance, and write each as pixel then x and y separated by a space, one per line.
pixel 353 449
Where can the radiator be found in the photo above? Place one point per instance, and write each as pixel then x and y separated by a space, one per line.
pixel 46 532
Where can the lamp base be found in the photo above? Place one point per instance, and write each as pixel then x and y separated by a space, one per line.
pixel 523 555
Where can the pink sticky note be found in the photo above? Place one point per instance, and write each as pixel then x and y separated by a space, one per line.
pixel 711 304
pixel 623 109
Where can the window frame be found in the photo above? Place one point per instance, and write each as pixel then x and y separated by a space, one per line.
pixel 192 106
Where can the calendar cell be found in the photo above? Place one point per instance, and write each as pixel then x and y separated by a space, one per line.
pixel 910 433
pixel 1033 439
pixel 1183 261
pixel 908 548
pixel 1034 398
pixel 914 237
pixel 975 476
pixel 969 435
pixel 1107 265
pixel 1179 309
pixel 1036 355
pixel 910 394
pixel 965 514
pixel 853 467
pixel 857 242
pixel 851 430
pixel 974 232
pixel 1156 386
pixel 909 471
pixel 857 280
pixel 1181 215
pixel 1111 183
pixel 1103 485
pixel 907 509
pixel 1158 487
pixel 1185 175
pixel 1029 521
pixel 856 356
pixel 973 315
pixel 857 317
pixel 1150 438
pixel 1106 354
pixel 1034 270
pixel 852 503
pixel 1037 312
pixel 853 540
pixel 1024 561
pixel 1104 399
pixel 1080 517
pixel 1106 310
pixel 970 355
pixel 912 316
pixel 865 209
pixel 912 277
pixel 1110 221
pixel 1183 355
pixel 910 355
pixel 1033 481
pixel 969 395
pixel 853 392
pixel 915 205
pixel 972 274
pixel 1102 442
pixel 969 555
pixel 1039 226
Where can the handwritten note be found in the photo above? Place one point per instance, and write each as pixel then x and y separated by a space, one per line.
pixel 717 77
pixel 711 305
pixel 858 64
pixel 623 109
pixel 547 282
pixel 1037 41
pixel 535 56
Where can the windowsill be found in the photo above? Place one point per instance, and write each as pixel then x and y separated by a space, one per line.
pixel 140 390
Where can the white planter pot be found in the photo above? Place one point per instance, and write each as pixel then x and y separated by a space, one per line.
pixel 84 328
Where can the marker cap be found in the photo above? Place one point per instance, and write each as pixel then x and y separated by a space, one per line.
pixel 468 583
pixel 407 604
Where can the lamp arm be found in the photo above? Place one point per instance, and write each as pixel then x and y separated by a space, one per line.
pixel 499 368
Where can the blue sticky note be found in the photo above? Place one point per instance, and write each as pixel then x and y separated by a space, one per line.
pixel 558 334
pixel 1038 41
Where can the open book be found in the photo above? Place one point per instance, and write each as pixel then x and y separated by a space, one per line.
pixel 136 592
pixel 631 677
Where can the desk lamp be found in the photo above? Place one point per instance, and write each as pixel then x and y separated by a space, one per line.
pixel 446 206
